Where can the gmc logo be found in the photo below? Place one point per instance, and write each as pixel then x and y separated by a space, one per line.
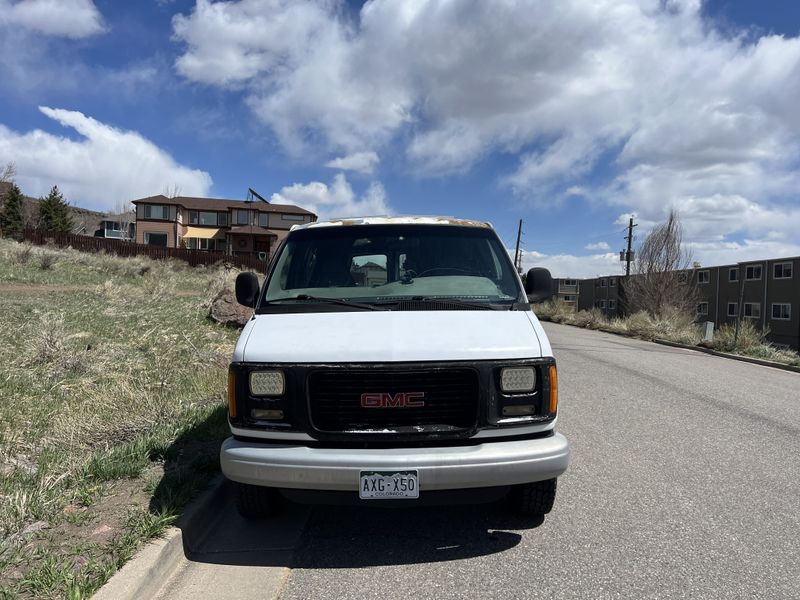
pixel 399 400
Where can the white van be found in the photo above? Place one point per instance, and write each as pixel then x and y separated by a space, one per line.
pixel 393 360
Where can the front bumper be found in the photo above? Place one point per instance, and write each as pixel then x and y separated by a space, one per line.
pixel 440 468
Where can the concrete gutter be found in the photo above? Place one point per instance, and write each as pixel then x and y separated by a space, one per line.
pixel 739 357
pixel 747 359
pixel 145 574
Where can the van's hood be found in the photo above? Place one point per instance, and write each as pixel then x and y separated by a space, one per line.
pixel 391 336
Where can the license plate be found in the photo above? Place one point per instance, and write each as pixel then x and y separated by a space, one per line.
pixel 388 484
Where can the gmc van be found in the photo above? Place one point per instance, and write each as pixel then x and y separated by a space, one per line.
pixel 393 360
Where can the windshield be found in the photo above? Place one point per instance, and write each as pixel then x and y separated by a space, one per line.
pixel 381 264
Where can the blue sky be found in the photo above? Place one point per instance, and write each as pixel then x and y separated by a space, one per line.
pixel 569 115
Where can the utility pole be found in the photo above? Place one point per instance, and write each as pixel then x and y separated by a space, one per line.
pixel 628 253
pixel 517 255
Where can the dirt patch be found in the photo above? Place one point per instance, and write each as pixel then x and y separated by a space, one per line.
pixel 83 533
pixel 53 288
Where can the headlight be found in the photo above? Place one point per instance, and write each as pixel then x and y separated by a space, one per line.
pixel 518 379
pixel 266 383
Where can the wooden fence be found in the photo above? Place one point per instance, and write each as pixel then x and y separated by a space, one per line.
pixel 85 243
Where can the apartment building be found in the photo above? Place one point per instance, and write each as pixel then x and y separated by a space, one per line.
pixel 232 226
pixel 602 293
pixel 766 292
pixel 567 290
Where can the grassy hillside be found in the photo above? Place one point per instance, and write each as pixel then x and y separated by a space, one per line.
pixel 112 386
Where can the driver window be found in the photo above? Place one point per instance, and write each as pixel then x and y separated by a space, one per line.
pixel 369 270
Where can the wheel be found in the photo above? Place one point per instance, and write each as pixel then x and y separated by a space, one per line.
pixel 533 499
pixel 255 501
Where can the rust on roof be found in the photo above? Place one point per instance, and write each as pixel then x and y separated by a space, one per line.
pixel 194 203
pixel 399 220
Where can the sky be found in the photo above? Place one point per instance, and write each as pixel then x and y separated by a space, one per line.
pixel 570 115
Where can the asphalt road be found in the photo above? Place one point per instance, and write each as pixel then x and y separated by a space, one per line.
pixel 684 483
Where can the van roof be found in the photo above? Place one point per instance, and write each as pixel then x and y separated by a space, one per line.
pixel 397 220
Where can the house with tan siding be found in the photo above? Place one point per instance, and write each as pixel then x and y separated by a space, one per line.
pixel 237 227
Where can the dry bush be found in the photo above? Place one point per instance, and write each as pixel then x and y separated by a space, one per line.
pixel 47 260
pixel 750 337
pixel 555 310
pixel 591 319
pixel 22 254
pixel 53 349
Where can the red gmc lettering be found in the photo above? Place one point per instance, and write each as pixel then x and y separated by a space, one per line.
pixel 399 400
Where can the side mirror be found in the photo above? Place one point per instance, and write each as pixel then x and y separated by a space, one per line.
pixel 247 289
pixel 538 285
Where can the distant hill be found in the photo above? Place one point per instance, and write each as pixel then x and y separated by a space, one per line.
pixel 85 221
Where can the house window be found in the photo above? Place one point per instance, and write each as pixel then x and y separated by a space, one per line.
pixel 569 282
pixel 292 218
pixel 703 277
pixel 242 217
pixel 612 304
pixel 733 274
pixel 781 311
pixel 782 271
pixel 612 281
pixel 752 310
pixel 733 309
pixel 204 218
pixel 752 273
pixel 155 239
pixel 602 283
pixel 702 308
pixel 263 219
pixel 600 304
pixel 569 298
pixel 222 219
pixel 156 211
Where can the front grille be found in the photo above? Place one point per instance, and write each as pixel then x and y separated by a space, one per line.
pixel 451 400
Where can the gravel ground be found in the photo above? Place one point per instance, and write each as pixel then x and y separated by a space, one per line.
pixel 685 483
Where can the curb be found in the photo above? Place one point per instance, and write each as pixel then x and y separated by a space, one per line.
pixel 739 357
pixel 145 573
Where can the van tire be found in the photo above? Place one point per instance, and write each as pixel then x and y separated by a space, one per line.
pixel 255 501
pixel 533 499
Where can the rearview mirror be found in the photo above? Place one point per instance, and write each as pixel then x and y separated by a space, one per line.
pixel 538 285
pixel 247 289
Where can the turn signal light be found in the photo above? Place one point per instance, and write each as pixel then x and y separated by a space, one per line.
pixel 553 389
pixel 231 394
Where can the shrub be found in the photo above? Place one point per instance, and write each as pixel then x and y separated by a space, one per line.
pixel 592 319
pixel 556 310
pixel 750 337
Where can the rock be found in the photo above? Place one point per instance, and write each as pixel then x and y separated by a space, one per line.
pixel 103 529
pixel 34 527
pixel 23 463
pixel 228 312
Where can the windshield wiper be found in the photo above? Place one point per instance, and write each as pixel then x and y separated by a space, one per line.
pixel 458 301
pixel 340 301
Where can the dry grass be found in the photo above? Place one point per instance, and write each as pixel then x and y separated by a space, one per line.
pixel 95 383
pixel 672 325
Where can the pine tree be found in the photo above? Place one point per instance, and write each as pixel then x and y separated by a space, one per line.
pixel 54 213
pixel 12 217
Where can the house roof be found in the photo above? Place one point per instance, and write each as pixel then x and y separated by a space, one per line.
pixel 193 203
pixel 251 230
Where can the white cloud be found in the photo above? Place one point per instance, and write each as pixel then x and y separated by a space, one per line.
pixel 573 266
pixel 360 162
pixel 335 200
pixel 105 166
pixel 62 18
pixel 597 246
pixel 683 114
